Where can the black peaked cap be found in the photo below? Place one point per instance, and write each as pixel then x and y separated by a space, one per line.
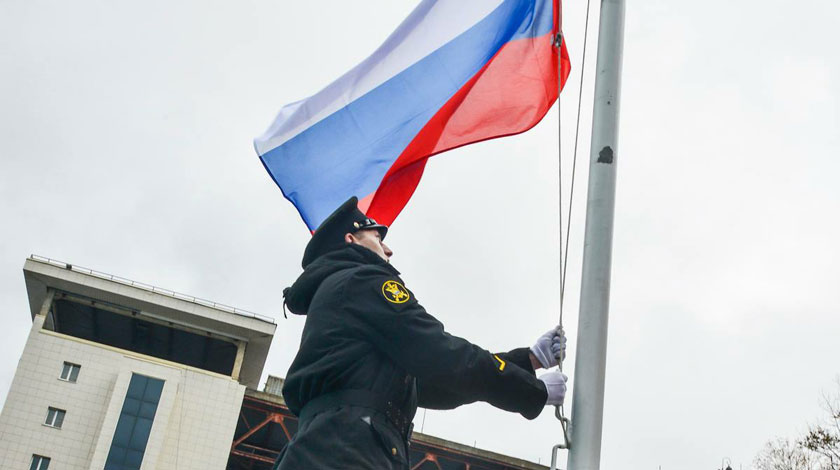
pixel 330 234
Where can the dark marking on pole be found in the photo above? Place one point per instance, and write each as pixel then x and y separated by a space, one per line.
pixel 606 155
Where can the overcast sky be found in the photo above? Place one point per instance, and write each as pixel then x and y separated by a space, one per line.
pixel 125 146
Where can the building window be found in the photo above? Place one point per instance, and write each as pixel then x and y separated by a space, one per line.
pixel 39 462
pixel 86 320
pixel 55 417
pixel 135 423
pixel 70 372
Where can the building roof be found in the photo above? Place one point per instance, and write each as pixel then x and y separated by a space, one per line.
pixel 41 274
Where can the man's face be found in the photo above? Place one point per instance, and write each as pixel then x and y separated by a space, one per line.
pixel 372 240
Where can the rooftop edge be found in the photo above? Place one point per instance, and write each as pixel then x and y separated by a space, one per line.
pixel 151 288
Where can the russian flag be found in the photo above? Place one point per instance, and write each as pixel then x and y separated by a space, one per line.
pixel 454 72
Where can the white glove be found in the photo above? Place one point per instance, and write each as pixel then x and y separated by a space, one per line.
pixel 555 385
pixel 550 346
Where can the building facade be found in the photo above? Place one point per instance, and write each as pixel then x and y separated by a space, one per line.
pixel 119 375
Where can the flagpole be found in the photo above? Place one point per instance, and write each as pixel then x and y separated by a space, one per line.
pixel 585 428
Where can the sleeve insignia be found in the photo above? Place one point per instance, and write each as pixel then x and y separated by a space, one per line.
pixel 502 363
pixel 395 293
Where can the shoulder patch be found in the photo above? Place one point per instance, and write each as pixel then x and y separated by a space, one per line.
pixel 395 292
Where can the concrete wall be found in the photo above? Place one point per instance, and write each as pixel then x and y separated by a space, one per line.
pixel 194 422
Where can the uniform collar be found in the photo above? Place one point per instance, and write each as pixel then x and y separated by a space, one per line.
pixel 349 256
pixel 372 258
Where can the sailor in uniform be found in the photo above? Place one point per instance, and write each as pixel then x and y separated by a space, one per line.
pixel 370 354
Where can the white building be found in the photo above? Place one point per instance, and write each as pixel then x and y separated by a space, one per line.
pixel 118 375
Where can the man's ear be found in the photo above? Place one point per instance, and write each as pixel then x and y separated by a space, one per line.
pixel 349 238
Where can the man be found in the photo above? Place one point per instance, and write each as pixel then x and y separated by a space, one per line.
pixel 370 355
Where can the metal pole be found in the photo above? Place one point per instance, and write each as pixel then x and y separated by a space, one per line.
pixel 590 360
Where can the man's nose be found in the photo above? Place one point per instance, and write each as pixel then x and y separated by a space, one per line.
pixel 387 250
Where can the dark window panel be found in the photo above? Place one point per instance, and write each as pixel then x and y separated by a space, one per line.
pixel 152 339
pixel 135 423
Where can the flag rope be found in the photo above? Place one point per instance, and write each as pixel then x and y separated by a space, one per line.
pixel 564 250
pixel 559 411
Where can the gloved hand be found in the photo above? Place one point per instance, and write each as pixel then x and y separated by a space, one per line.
pixel 549 346
pixel 555 385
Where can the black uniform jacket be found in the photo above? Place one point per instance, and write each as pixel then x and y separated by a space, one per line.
pixel 366 332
